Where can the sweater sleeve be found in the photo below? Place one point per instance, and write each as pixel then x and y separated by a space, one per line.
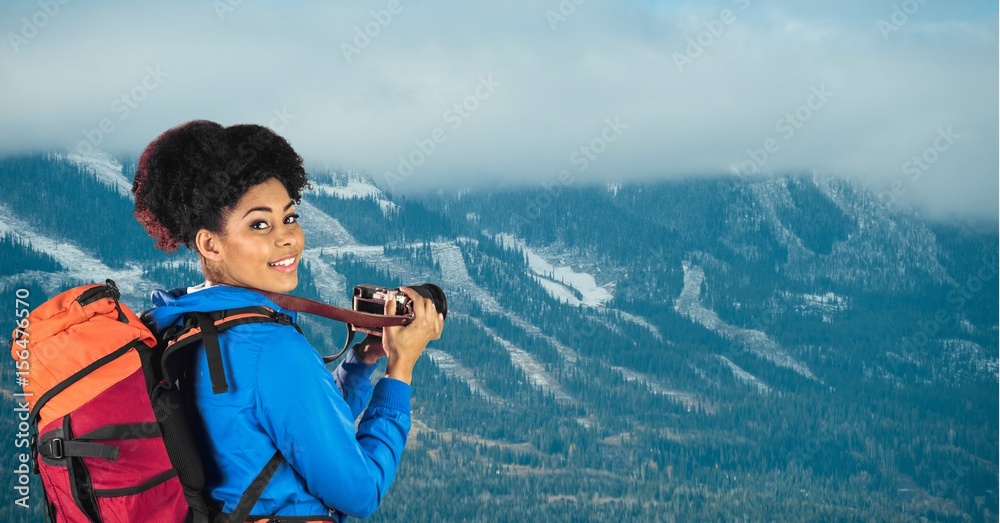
pixel 305 414
pixel 353 377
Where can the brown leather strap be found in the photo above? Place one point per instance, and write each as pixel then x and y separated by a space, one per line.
pixel 349 316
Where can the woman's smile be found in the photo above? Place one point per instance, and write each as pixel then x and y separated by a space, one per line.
pixel 289 264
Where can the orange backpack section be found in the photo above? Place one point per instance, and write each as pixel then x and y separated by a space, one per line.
pixel 79 331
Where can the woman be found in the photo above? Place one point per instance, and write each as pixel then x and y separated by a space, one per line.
pixel 230 194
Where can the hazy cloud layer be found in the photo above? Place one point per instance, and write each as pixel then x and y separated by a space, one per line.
pixel 508 92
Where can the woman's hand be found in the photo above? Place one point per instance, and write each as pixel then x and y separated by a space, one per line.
pixel 404 345
pixel 369 350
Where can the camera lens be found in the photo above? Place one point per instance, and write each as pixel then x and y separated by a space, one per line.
pixel 429 290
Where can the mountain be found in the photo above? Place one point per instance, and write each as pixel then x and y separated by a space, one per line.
pixel 794 348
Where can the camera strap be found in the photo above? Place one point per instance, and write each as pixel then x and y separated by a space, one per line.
pixel 348 316
pixel 351 317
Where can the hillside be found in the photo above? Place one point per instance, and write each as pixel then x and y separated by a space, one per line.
pixel 790 348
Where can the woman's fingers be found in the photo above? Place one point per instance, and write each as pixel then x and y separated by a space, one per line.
pixel 425 315
pixel 419 302
pixel 389 306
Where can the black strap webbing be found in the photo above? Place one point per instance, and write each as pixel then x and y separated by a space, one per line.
pixel 255 490
pixel 79 480
pixel 58 448
pixel 210 336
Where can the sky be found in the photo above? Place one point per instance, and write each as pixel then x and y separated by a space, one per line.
pixel 445 95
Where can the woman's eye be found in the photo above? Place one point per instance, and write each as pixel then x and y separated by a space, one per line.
pixel 291 218
pixel 259 225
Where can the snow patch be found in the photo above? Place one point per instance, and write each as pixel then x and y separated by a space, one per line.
pixel 535 371
pixel 820 304
pixel 455 275
pixel 332 285
pixel 745 376
pixel 452 368
pixel 355 187
pixel 104 167
pixel 79 265
pixel 689 305
pixel 585 284
pixel 966 353
pixel 687 399
pixel 322 230
pixel 559 281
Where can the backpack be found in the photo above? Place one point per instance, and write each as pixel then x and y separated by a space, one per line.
pixel 113 439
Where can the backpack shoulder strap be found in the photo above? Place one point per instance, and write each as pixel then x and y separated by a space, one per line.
pixel 205 327
pixel 255 490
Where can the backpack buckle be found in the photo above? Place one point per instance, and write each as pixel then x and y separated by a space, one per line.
pixel 55 449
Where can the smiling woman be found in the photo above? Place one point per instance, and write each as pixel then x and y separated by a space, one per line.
pixel 265 402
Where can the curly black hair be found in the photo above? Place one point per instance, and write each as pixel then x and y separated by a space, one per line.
pixel 189 177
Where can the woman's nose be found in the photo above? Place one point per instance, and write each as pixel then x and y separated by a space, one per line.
pixel 289 237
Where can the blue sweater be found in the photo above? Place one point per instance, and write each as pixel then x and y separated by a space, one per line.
pixel 282 398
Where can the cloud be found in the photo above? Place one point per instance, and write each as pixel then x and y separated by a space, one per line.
pixel 701 87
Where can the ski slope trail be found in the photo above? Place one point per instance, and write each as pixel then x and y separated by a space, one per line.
pixel 756 342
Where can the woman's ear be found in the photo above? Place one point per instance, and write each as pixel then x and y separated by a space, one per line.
pixel 209 245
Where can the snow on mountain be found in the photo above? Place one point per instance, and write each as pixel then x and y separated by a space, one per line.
pixel 688 399
pixel 103 166
pixel 890 244
pixel 79 265
pixel 828 302
pixel 689 304
pixel 822 305
pixel 332 285
pixel 640 321
pixel 594 295
pixel 352 185
pixel 452 368
pixel 745 376
pixel 534 370
pixel 965 354
pixel 559 280
pixel 455 275
pixel 321 229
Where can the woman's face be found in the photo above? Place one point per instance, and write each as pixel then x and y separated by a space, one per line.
pixel 262 242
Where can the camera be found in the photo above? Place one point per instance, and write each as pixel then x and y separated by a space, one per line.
pixel 372 298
